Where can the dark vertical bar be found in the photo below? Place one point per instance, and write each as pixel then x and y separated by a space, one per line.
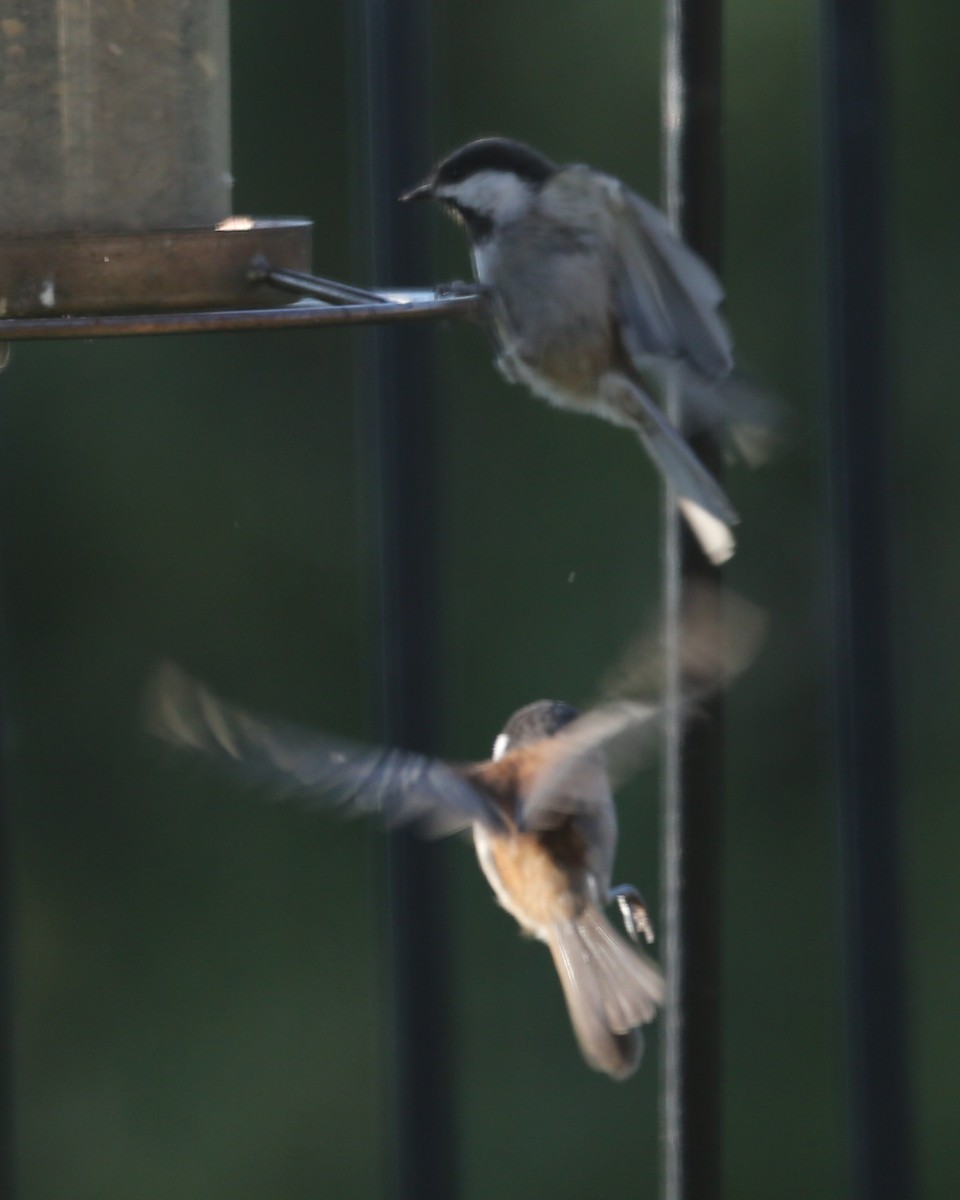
pixel 8 1173
pixel 693 773
pixel 859 395
pixel 403 457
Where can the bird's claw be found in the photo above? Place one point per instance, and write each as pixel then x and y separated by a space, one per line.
pixel 633 909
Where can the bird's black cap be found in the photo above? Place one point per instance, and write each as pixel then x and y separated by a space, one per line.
pixel 486 154
pixel 543 718
pixel 494 154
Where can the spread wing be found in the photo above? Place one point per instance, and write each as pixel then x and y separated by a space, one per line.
pixel 666 296
pixel 314 768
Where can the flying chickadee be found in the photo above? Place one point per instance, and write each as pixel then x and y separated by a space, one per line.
pixel 592 295
pixel 541 811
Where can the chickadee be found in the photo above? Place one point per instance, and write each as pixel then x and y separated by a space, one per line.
pixel 541 811
pixel 591 295
pixel 543 820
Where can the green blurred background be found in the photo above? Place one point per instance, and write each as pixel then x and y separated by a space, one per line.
pixel 199 978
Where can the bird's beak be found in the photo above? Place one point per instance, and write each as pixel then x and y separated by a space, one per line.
pixel 423 191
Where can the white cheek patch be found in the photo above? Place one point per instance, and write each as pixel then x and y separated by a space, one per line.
pixel 499 195
pixel 500 746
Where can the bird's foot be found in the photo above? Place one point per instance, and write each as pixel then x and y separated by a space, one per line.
pixel 633 909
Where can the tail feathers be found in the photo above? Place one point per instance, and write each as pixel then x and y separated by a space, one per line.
pixel 701 499
pixel 610 990
pixel 713 534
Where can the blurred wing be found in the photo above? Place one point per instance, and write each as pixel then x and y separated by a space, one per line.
pixel 666 295
pixel 589 757
pixel 757 425
pixel 720 635
pixel 298 763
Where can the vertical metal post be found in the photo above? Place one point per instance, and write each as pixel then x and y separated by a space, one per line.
pixel 859 393
pixel 693 771
pixel 402 437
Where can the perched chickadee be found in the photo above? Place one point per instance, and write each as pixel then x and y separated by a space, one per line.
pixel 541 811
pixel 592 295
